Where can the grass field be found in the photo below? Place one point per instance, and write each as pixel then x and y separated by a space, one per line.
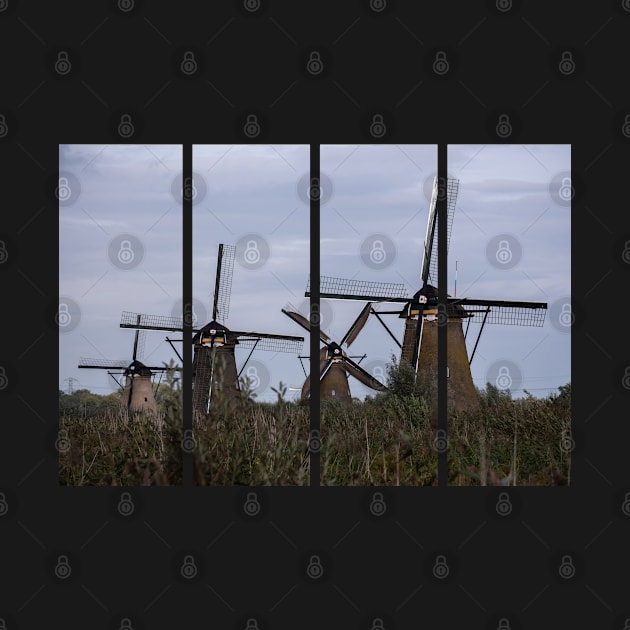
pixel 383 441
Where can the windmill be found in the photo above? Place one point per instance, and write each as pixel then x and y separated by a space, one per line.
pixel 138 391
pixel 335 364
pixel 214 369
pixel 419 345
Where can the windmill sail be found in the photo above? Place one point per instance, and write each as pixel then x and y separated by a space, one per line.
pixel 223 282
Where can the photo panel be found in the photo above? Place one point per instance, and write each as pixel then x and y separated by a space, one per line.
pixel 376 416
pixel 251 253
pixel 509 272
pixel 120 258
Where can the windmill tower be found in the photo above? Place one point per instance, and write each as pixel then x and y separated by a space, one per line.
pixel 137 392
pixel 335 364
pixel 422 316
pixel 214 362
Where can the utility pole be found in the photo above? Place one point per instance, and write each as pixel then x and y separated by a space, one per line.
pixel 70 380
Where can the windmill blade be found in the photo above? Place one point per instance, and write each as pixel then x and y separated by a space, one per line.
pixel 270 343
pixel 135 344
pixel 151 322
pixel 103 364
pixel 223 282
pixel 118 364
pixel 302 321
pixel 357 326
pixel 323 368
pixel 512 313
pixel 362 290
pixel 430 256
pixel 362 376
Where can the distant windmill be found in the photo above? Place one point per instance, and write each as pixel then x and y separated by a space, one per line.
pixel 214 363
pixel 138 391
pixel 335 364
pixel 419 345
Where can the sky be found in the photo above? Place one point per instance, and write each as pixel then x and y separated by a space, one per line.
pixel 115 194
pixel 518 194
pixel 120 248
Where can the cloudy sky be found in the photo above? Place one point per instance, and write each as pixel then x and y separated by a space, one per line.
pixel 120 247
pixel 518 194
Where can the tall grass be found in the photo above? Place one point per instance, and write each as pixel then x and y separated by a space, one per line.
pixel 385 440
pixel 110 447
pixel 245 443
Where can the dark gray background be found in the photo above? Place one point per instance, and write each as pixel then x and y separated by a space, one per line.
pixel 374 62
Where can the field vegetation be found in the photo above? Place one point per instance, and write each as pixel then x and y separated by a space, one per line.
pixel 385 440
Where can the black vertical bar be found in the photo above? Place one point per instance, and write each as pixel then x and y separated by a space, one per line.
pixel 314 195
pixel 441 205
pixel 187 314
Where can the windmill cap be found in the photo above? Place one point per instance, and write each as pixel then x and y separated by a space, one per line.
pixel 137 368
